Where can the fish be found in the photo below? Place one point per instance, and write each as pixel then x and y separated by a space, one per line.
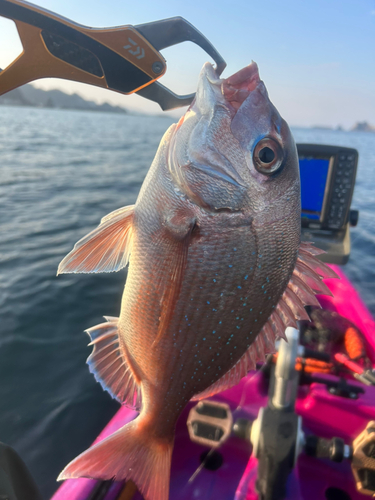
pixel 217 271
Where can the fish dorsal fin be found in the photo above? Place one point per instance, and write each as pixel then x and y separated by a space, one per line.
pixel 304 284
pixel 107 248
pixel 109 366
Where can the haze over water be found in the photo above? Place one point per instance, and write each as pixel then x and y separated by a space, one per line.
pixel 60 173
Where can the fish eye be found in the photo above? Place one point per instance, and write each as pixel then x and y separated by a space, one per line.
pixel 268 156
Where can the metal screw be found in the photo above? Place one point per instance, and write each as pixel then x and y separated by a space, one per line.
pixel 157 67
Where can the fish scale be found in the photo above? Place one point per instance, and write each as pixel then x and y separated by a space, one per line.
pixel 216 269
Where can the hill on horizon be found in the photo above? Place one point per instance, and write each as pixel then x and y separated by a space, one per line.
pixel 27 95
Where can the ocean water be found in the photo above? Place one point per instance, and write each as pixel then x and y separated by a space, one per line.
pixel 60 172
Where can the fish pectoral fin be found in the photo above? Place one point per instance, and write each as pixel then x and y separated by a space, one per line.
pixel 107 248
pixel 109 366
pixel 178 235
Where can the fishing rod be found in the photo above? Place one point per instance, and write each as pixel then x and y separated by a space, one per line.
pixel 125 59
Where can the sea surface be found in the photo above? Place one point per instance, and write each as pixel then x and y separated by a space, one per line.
pixel 60 173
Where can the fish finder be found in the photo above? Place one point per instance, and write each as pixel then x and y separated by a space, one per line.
pixel 327 183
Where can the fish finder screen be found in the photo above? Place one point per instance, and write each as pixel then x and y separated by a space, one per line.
pixel 314 173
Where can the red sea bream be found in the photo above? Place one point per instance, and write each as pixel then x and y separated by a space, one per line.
pixel 216 272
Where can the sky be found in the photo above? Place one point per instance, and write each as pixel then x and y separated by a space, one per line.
pixel 317 57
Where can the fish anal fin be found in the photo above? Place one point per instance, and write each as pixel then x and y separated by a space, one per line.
pixel 109 366
pixel 107 248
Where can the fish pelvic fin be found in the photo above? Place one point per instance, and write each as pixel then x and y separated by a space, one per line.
pixel 305 283
pixel 110 368
pixel 106 249
pixel 133 452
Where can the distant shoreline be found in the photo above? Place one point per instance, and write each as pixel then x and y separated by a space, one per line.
pixel 47 108
pixel 31 97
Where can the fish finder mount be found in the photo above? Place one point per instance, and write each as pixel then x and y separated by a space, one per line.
pixel 125 59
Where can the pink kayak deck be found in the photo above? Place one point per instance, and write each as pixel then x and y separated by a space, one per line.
pixel 235 474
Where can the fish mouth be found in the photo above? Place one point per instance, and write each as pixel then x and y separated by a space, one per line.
pixel 237 88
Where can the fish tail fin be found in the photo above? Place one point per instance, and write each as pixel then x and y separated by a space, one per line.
pixel 133 452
